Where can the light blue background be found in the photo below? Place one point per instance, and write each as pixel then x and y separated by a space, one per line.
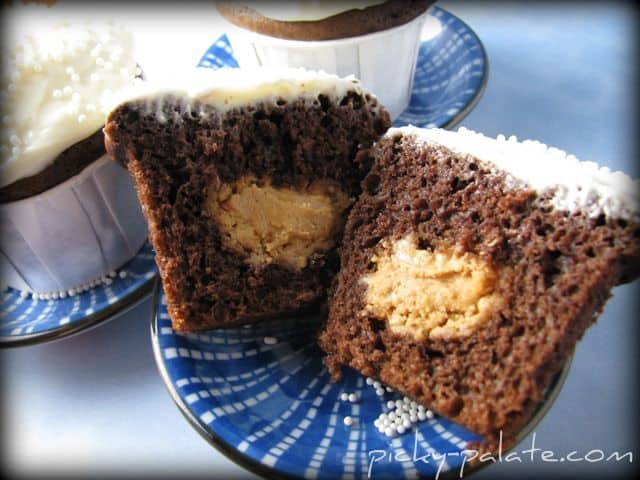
pixel 562 74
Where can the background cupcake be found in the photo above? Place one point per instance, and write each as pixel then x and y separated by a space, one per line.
pixel 377 41
pixel 68 212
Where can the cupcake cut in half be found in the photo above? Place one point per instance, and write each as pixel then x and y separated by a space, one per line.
pixel 246 178
pixel 471 266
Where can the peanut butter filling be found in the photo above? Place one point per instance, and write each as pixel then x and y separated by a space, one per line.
pixel 430 293
pixel 282 225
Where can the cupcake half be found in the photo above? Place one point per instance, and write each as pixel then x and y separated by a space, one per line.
pixel 246 178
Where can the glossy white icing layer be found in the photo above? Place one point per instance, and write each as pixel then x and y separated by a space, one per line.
pixel 309 10
pixel 58 84
pixel 574 184
pixel 230 88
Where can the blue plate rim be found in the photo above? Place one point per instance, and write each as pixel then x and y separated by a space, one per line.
pixel 133 298
pixel 466 110
pixel 244 461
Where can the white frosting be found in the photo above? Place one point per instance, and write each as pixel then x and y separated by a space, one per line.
pixel 230 88
pixel 574 184
pixel 58 84
pixel 309 10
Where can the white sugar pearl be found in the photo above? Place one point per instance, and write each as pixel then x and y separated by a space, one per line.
pixel 429 414
pixel 390 431
pixel 413 418
pixel 391 404
pixel 69 70
pixel 122 274
pixel 389 389
pixel 67 90
pixel 57 93
pixel 398 403
pixel 94 77
pixel 377 385
pixel 108 281
pixel 270 340
pixel 112 273
pixel 75 77
pixel 24 294
pixel 344 397
pixel 369 381
pixel 379 392
pixel 400 429
pixel 348 421
pixel 54 296
pixel 72 292
pixel 353 397
pixel 407 423
pixel 63 294
pixel 422 416
pixel 75 97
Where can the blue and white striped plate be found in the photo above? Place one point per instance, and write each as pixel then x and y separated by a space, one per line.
pixel 272 408
pixel 25 320
pixel 450 76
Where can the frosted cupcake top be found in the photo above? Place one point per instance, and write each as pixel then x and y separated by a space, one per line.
pixel 574 184
pixel 308 10
pixel 230 88
pixel 58 84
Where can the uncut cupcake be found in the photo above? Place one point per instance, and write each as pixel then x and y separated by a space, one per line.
pixel 69 214
pixel 377 41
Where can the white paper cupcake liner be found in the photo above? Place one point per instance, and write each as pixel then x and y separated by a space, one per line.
pixel 72 234
pixel 383 61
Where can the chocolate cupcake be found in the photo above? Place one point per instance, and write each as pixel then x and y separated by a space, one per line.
pixel 69 213
pixel 245 177
pixel 344 38
pixel 470 268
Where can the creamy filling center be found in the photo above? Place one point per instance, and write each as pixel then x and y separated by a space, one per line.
pixel 430 293
pixel 282 225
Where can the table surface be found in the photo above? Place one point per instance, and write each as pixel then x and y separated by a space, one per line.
pixel 562 74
